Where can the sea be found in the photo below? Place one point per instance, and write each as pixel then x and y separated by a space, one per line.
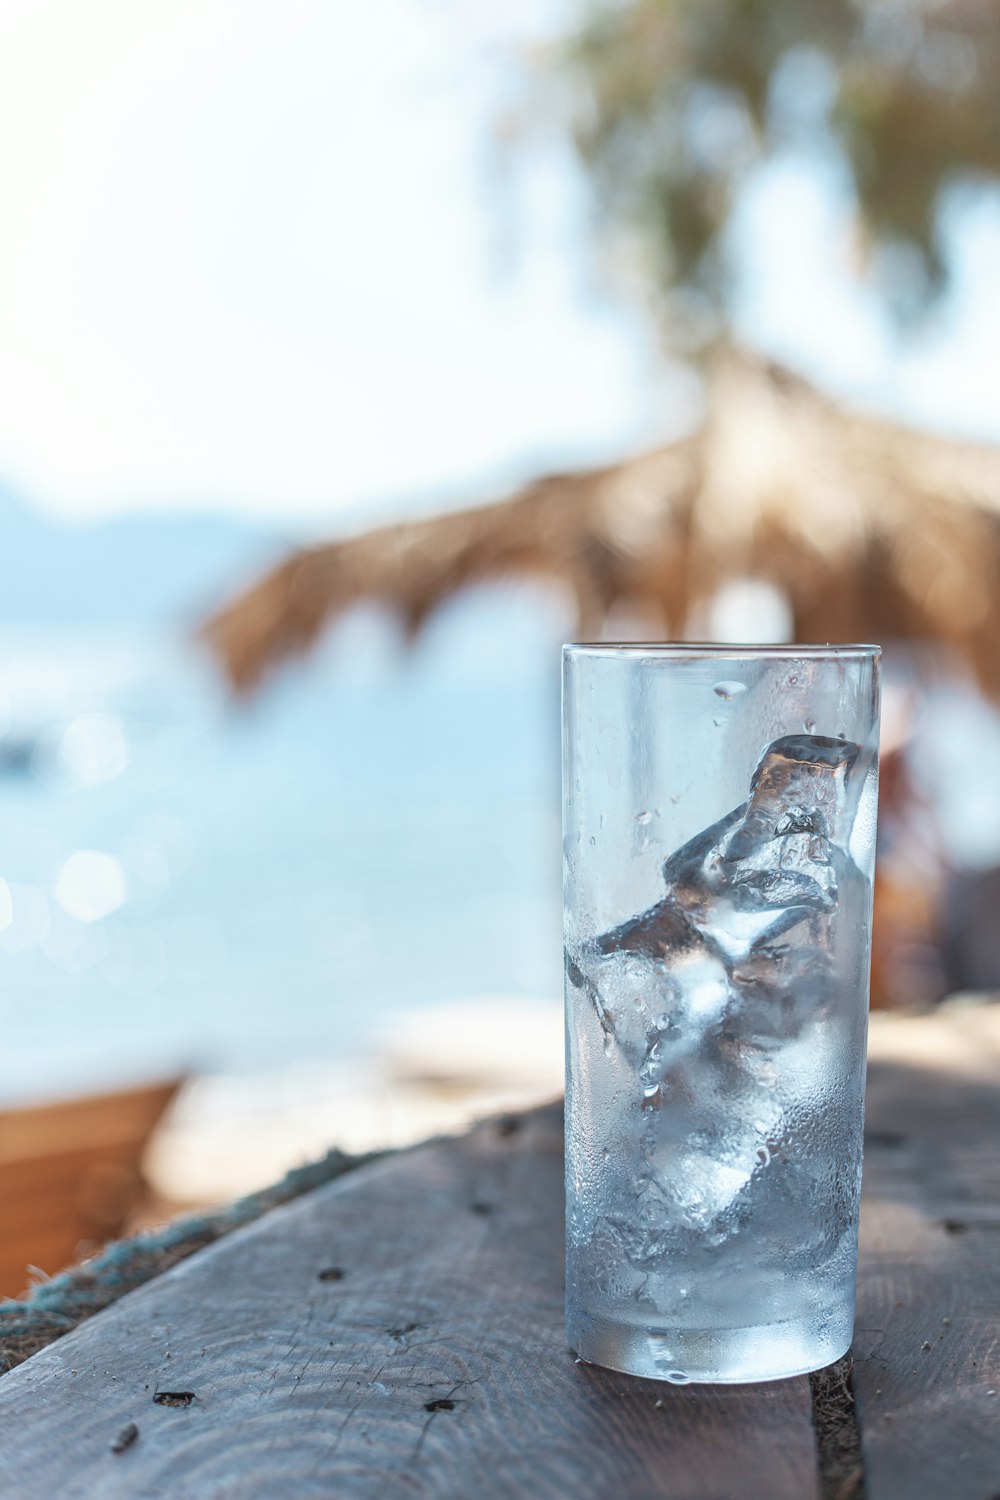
pixel 192 882
pixel 188 881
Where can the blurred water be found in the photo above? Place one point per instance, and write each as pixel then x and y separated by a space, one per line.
pixel 185 882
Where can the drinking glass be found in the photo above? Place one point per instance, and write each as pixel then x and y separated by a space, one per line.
pixel 719 837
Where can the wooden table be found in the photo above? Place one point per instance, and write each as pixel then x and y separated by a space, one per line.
pixel 400 1333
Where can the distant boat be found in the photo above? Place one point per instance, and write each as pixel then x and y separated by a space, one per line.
pixel 17 756
pixel 70 1176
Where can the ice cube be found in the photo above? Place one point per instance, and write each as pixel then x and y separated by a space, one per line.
pixel 759 870
pixel 703 1185
pixel 717 996
pixel 715 1124
pixel 804 776
pixel 654 981
pixel 780 988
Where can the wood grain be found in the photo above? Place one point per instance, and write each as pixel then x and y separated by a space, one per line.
pixel 927 1340
pixel 435 1365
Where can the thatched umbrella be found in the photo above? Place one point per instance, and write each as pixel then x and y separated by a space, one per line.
pixel 870 530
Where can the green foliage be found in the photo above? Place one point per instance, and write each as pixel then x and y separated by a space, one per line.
pixel 671 103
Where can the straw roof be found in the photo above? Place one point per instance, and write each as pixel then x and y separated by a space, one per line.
pixel 872 531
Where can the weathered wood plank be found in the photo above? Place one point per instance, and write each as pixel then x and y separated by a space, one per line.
pixel 434 1365
pixel 927 1342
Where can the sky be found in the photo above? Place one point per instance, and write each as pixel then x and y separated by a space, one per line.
pixel 248 260
pixel 253 259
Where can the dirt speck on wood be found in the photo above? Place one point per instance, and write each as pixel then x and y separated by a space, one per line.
pixel 125 1438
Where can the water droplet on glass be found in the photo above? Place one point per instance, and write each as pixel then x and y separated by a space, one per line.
pixel 675 799
pixel 651 1096
pixel 592 840
pixel 729 690
pixel 763 1156
pixel 678 1377
pixel 809 725
pixel 717 723
pixel 792 680
pixel 608 1043
pixel 644 817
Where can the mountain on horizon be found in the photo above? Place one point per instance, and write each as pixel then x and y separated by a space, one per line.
pixel 154 569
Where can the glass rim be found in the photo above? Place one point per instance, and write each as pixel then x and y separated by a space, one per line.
pixel 785 650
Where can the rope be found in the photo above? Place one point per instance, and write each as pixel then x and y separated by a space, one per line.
pixel 54 1308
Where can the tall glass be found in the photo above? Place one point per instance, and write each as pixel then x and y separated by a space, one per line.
pixel 719 837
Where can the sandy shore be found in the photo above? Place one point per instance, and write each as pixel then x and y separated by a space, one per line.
pixel 437 1071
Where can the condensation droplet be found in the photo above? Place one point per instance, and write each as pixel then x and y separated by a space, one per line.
pixel 792 680
pixel 644 817
pixel 608 1043
pixel 676 798
pixel 678 1377
pixel 651 1096
pixel 592 840
pixel 729 690
pixel 809 725
pixel 717 723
